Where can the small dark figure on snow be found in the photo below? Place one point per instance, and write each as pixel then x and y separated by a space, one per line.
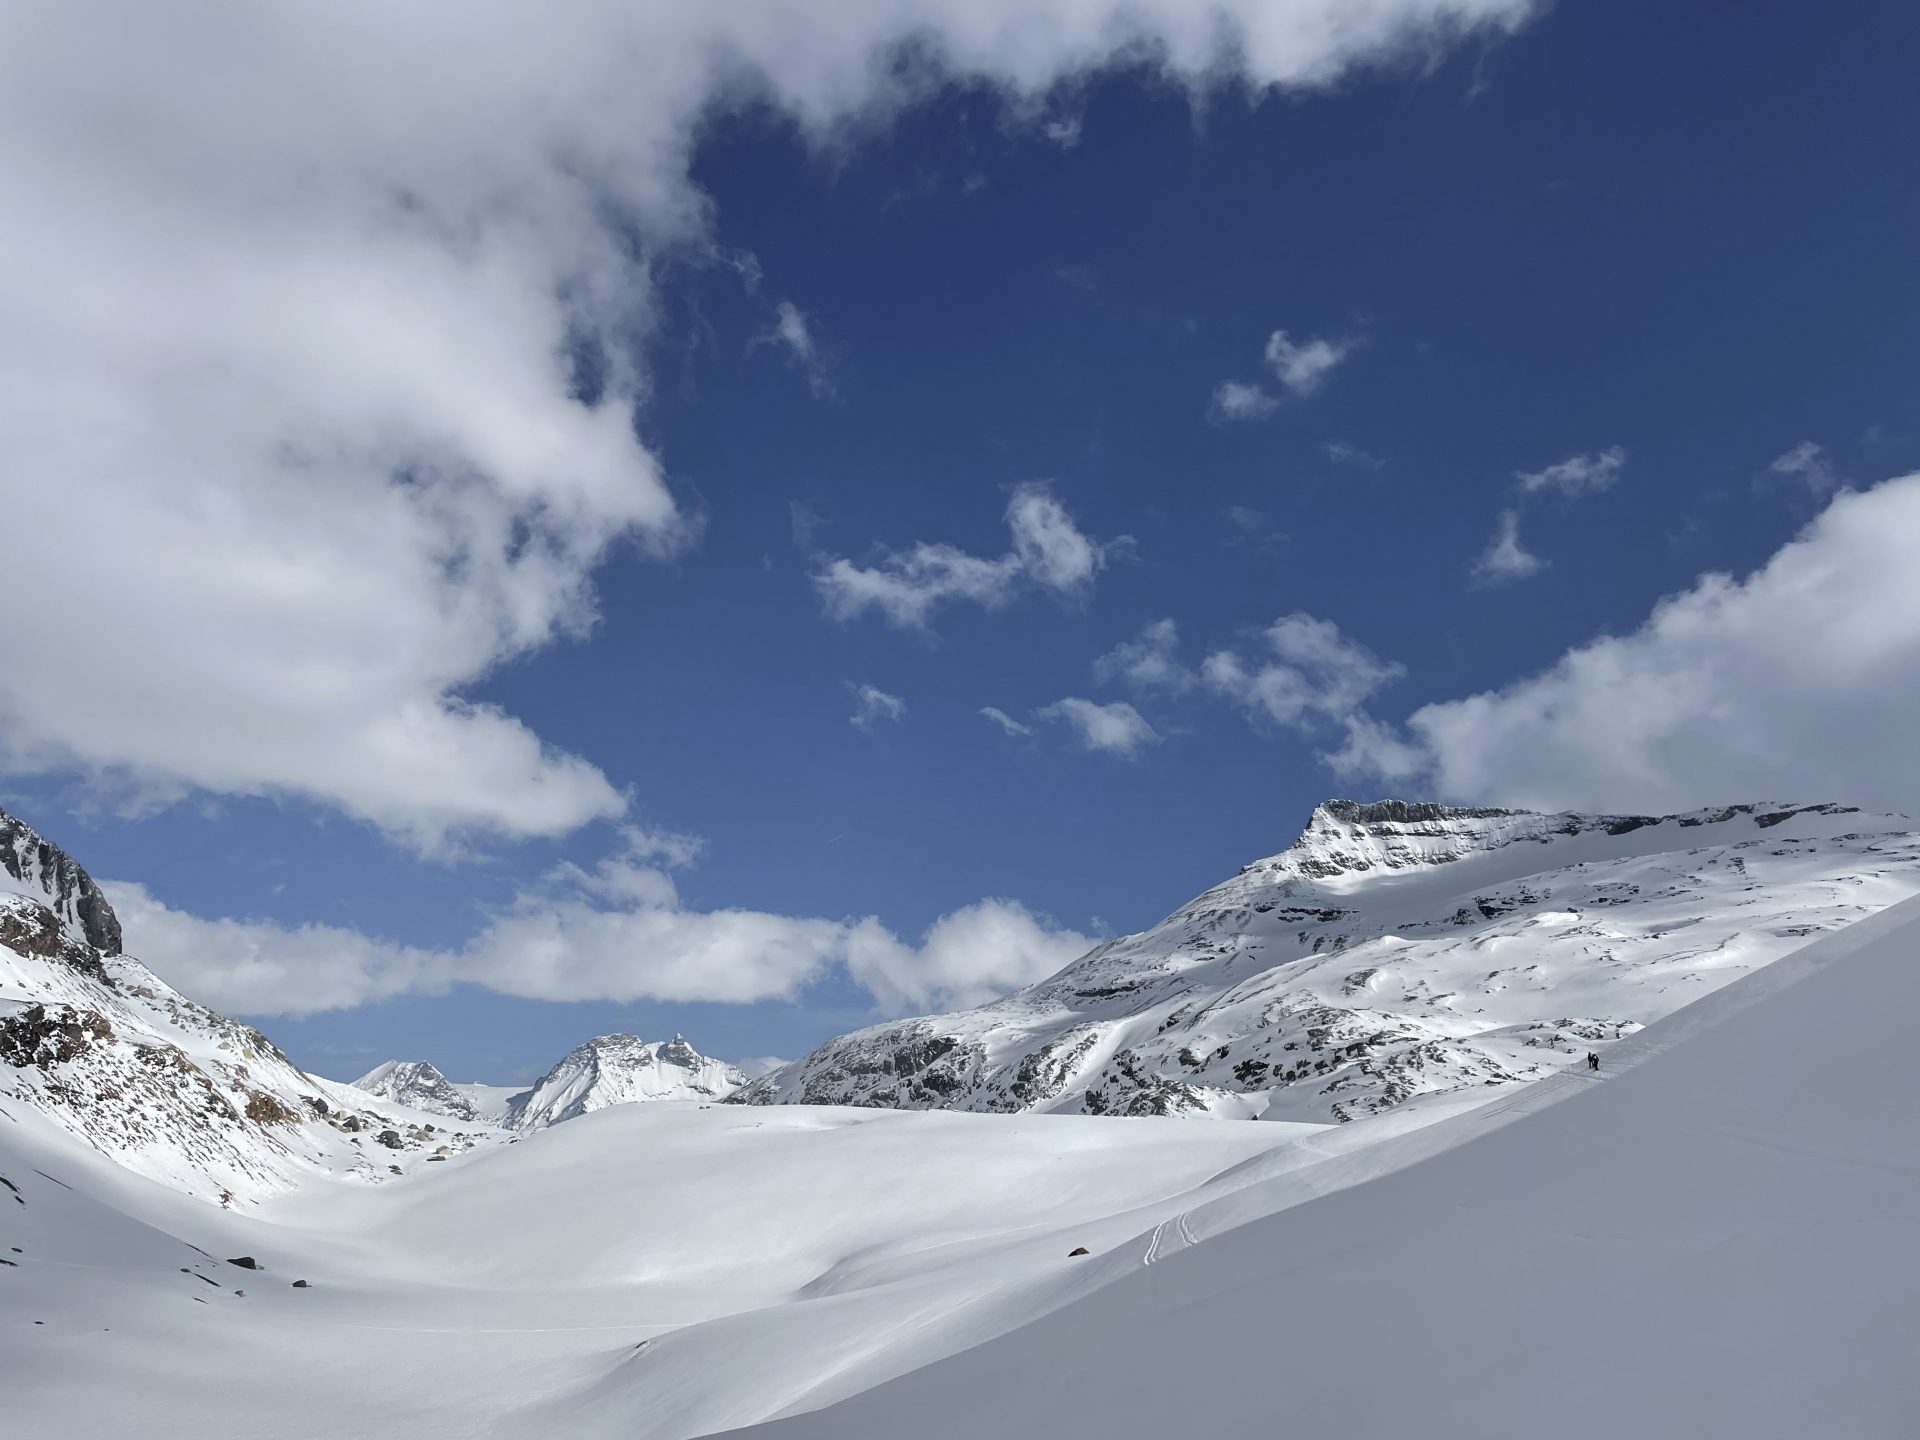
pixel 1593 1060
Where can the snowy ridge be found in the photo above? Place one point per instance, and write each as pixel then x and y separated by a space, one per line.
pixel 1394 952
pixel 621 1069
pixel 121 1060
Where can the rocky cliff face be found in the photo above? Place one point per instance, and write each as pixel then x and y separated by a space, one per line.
pixel 1394 951
pixel 618 1070
pixel 39 868
pixel 110 1052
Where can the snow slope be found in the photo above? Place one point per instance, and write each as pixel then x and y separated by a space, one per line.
pixel 1712 1238
pixel 1393 951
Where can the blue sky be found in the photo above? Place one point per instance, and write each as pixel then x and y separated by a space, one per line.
pixel 1660 263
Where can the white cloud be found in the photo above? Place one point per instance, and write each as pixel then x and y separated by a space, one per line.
pixel 1049 552
pixel 1254 529
pixel 1801 681
pixel 1314 680
pixel 618 932
pixel 1342 453
pixel 1116 729
pixel 1809 464
pixel 966 958
pixel 1575 476
pixel 872 704
pixel 258 967
pixel 1064 131
pixel 792 332
pixel 1300 368
pixel 1005 721
pixel 1505 558
pixel 285 377
pixel 1237 400
pixel 1150 661
pixel 1303 368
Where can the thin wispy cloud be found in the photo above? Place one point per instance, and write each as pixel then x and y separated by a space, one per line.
pixel 872 705
pixel 1341 453
pixel 1810 465
pixel 1150 661
pixel 792 333
pixel 1006 722
pixel 1299 368
pixel 1575 476
pixel 1505 558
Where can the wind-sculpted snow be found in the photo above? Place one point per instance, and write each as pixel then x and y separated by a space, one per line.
pixel 164 1086
pixel 1394 950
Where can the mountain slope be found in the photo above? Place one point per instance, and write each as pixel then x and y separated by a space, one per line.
pixel 621 1069
pixel 166 1087
pixel 1394 951
pixel 1714 1242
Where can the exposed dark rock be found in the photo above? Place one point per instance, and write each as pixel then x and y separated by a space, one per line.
pixel 35 861
pixel 245 1262
pixel 1078 1250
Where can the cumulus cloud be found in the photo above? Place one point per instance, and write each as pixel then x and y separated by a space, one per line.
pixel 1006 722
pixel 1799 681
pixel 872 705
pixel 1505 558
pixel 906 587
pixel 618 932
pixel 300 300
pixel 1575 476
pixel 1116 729
pixel 1149 661
pixel 966 958
pixel 1314 680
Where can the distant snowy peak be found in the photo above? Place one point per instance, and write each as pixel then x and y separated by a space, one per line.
pixel 621 1069
pixel 419 1086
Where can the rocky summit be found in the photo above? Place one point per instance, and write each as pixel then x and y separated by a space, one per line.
pixel 1394 952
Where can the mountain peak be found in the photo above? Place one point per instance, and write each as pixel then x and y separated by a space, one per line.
pixel 618 1069
pixel 46 873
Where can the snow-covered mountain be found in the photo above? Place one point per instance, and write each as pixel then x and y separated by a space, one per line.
pixel 607 1070
pixel 418 1085
pixel 620 1069
pixel 1394 951
pixel 114 1055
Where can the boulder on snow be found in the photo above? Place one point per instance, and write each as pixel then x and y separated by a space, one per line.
pixel 301 1285
pixel 1078 1250
pixel 245 1262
